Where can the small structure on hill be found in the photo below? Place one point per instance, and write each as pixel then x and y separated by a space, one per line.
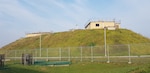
pixel 110 25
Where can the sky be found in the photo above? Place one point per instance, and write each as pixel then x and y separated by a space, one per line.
pixel 18 17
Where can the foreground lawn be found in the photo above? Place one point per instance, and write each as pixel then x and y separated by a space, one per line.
pixel 80 67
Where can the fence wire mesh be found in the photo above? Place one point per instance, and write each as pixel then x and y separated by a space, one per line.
pixel 115 53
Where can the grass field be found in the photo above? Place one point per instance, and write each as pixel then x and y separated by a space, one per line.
pixel 80 67
pixel 78 38
pixel 82 38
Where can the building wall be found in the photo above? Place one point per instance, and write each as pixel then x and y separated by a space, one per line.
pixel 102 24
pixel 32 35
pixel 37 34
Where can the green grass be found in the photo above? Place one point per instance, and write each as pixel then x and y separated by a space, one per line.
pixel 83 38
pixel 79 38
pixel 80 67
pixel 75 39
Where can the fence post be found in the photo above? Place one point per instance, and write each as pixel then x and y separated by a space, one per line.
pixel 60 54
pixel 47 53
pixel 34 52
pixel 108 58
pixel 6 54
pixel 24 51
pixel 15 54
pixel 81 54
pixel 69 54
pixel 40 46
pixel 36 55
pixel 129 50
pixel 91 54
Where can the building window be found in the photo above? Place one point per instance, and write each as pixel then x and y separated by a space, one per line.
pixel 97 25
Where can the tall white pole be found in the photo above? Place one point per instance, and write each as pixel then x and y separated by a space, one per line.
pixel 105 44
pixel 40 45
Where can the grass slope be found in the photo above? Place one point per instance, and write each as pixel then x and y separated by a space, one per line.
pixel 79 38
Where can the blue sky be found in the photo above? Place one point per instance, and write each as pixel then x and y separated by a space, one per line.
pixel 18 17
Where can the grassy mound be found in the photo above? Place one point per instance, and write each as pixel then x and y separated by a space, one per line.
pixel 79 38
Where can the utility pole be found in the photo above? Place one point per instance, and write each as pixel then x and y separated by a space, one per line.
pixel 105 44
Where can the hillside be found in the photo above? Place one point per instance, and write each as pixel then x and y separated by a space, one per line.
pixel 79 38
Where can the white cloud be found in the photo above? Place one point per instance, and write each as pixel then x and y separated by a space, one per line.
pixel 20 14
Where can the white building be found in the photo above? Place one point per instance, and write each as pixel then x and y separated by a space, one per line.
pixel 112 25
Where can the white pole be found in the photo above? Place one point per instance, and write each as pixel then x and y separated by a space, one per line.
pixel 105 41
pixel 108 58
pixel 129 50
pixel 40 45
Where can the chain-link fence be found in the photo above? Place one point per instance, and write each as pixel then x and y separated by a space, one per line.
pixel 112 53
